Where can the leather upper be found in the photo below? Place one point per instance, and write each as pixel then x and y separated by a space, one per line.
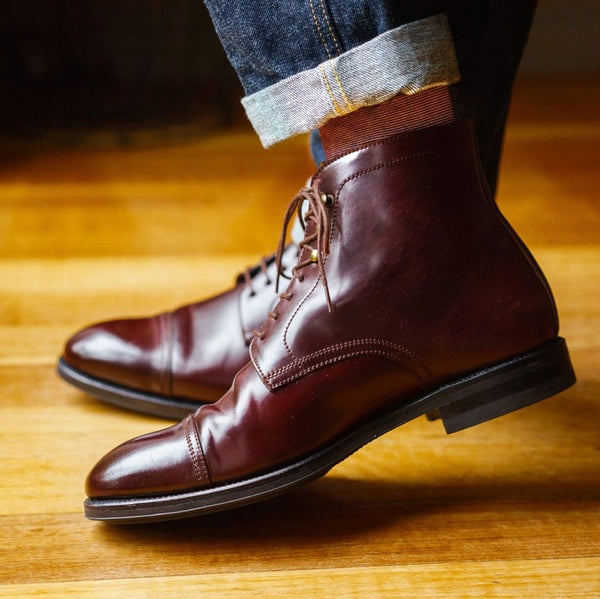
pixel 423 268
pixel 176 458
pixel 427 281
pixel 192 352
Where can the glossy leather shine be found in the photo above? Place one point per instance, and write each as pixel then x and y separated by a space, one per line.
pixel 193 352
pixel 427 282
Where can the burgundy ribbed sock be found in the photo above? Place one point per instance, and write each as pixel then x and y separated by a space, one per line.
pixel 397 115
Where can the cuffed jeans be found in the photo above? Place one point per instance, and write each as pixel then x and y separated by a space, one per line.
pixel 302 62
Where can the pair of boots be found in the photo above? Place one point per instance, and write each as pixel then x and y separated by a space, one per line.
pixel 409 294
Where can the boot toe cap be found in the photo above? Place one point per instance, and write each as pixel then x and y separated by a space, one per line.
pixel 162 462
pixel 127 352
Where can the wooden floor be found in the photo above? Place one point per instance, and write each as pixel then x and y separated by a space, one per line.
pixel 507 509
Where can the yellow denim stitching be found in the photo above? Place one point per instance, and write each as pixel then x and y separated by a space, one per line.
pixel 312 10
pixel 340 86
pixel 329 27
pixel 335 104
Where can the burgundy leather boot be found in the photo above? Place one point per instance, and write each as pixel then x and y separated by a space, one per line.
pixel 411 294
pixel 170 364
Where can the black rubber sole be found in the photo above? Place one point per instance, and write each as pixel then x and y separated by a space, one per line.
pixel 127 397
pixel 470 400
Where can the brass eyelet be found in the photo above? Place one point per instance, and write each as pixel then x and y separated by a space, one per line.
pixel 327 199
pixel 314 255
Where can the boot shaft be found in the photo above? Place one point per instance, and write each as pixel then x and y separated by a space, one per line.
pixel 421 267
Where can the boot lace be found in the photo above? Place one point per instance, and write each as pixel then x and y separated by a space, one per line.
pixel 317 243
pixel 252 271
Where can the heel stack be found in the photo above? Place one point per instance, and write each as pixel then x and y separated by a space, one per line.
pixel 509 386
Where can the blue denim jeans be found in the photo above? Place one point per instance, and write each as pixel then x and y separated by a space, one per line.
pixel 302 62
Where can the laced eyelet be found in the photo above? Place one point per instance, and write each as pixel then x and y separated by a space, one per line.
pixel 327 199
pixel 319 217
pixel 252 271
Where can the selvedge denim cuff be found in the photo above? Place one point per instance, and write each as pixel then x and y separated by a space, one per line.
pixel 408 59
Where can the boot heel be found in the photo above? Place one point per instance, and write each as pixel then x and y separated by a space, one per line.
pixel 434 415
pixel 509 386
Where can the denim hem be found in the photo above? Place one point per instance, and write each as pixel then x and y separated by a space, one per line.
pixel 408 59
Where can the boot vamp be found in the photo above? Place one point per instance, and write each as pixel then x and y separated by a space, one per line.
pixel 208 345
pixel 129 352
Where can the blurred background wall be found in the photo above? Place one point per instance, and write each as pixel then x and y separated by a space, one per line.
pixel 564 40
pixel 68 67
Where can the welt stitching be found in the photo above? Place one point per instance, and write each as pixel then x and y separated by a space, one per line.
pixel 312 10
pixel 354 343
pixel 202 458
pixel 392 357
pixel 193 456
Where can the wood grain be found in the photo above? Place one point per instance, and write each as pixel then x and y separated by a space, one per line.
pixel 507 509
pixel 485 580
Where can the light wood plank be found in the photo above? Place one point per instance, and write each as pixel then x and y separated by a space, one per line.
pixel 550 579
pixel 556 457
pixel 296 532
pixel 219 195
pixel 42 302
pixel 507 509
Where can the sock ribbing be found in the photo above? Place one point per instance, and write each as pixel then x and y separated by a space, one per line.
pixel 399 114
